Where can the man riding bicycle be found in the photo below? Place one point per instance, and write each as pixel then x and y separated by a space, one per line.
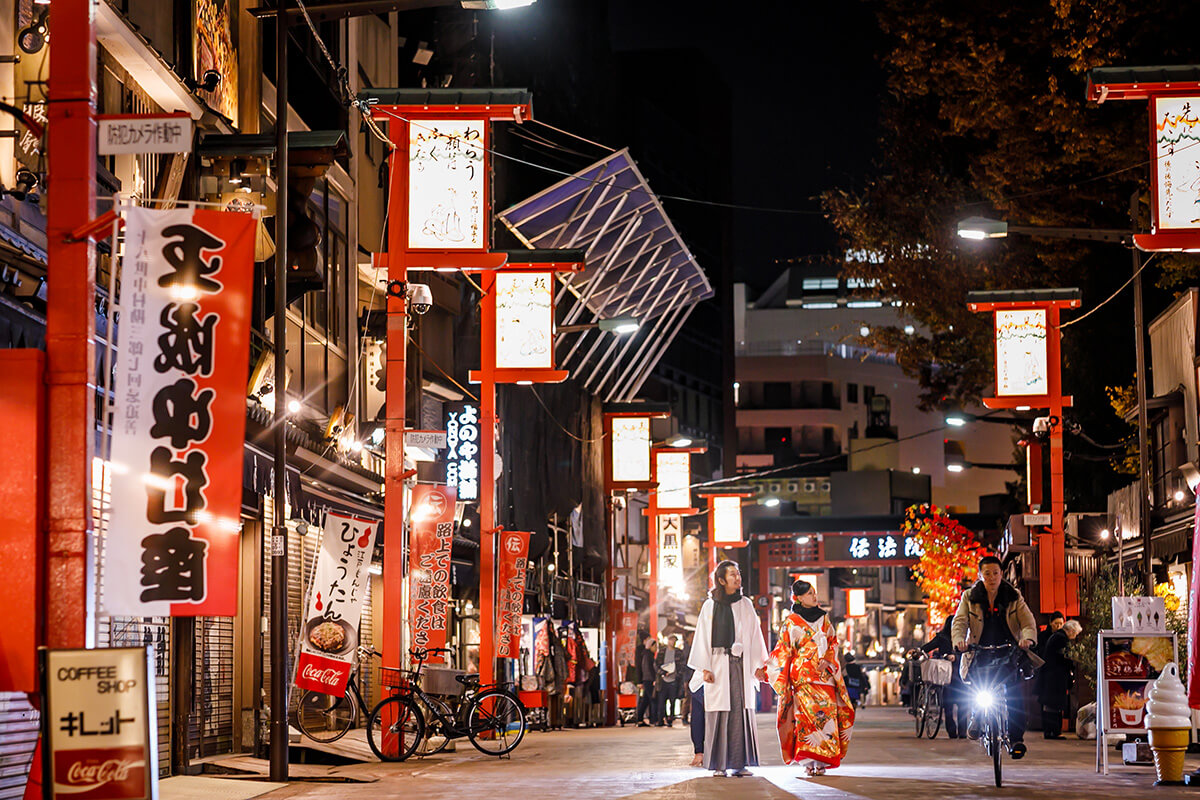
pixel 991 613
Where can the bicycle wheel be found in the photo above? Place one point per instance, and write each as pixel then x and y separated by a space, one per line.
pixel 919 709
pixel 496 722
pixel 395 729
pixel 933 711
pixel 435 739
pixel 325 718
pixel 994 741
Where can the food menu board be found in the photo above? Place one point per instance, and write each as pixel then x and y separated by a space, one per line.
pixel 1128 664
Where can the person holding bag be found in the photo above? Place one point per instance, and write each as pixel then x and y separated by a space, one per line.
pixel 815 713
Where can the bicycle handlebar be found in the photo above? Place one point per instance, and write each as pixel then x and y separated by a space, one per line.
pixel 421 655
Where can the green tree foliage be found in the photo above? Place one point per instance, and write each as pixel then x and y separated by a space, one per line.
pixel 984 114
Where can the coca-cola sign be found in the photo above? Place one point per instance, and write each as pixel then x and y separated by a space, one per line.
pixel 98 724
pixel 100 773
pixel 321 674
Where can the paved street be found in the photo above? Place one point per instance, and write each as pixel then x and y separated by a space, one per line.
pixel 885 762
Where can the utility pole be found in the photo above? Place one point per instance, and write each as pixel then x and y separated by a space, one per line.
pixel 280 674
pixel 1145 473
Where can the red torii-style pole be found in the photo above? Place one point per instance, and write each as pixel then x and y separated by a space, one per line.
pixel 1059 591
pixel 400 116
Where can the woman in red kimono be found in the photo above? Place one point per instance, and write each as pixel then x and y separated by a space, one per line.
pixel 815 714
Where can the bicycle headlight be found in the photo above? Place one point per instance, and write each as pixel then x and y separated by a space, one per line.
pixel 984 699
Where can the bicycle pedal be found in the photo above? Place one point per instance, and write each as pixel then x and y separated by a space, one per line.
pixel 1018 751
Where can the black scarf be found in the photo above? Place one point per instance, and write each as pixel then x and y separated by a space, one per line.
pixel 808 614
pixel 723 632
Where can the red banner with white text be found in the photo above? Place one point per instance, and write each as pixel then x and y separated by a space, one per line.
pixel 514 555
pixel 432 515
pixel 179 414
pixel 626 645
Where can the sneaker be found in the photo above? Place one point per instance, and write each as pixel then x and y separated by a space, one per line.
pixel 742 773
pixel 1018 750
pixel 718 773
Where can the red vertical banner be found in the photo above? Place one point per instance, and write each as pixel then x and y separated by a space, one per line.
pixel 626 646
pixel 514 554
pixel 1193 629
pixel 432 515
pixel 179 414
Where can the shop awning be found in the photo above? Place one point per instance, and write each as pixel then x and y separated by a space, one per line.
pixel 637 265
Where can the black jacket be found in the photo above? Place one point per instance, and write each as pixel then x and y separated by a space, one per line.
pixel 646 669
pixel 1055 678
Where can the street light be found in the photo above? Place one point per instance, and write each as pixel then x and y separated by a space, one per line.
pixel 618 325
pixel 957 418
pixel 980 228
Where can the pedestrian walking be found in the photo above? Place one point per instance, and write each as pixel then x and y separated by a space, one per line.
pixel 815 713
pixel 668 664
pixel 647 670
pixel 729 657
pixel 954 696
pixel 1055 678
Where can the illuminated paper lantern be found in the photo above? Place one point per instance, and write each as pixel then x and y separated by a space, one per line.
pixel 630 450
pixel 673 469
pixel 446 184
pixel 1175 127
pixel 856 602
pixel 727 519
pixel 1021 354
pixel 524 320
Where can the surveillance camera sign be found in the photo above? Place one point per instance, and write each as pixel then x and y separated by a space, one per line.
pixel 145 133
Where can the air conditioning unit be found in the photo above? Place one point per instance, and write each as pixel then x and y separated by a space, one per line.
pixel 809 487
pixel 774 488
pixel 825 486
pixel 792 487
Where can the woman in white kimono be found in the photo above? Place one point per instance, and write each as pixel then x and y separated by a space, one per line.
pixel 729 657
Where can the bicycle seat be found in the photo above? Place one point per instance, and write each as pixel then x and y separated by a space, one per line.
pixel 470 681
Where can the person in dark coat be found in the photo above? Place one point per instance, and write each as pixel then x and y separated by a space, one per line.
pixel 1055 678
pixel 647 703
pixel 954 698
pixel 856 679
pixel 1055 624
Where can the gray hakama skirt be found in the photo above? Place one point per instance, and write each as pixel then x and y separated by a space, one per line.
pixel 729 740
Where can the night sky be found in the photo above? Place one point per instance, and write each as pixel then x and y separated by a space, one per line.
pixel 768 108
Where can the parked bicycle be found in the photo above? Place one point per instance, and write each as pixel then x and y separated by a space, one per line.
pixel 929 695
pixel 990 700
pixel 491 715
pixel 325 718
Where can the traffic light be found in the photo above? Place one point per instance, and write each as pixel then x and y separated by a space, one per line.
pixel 305 264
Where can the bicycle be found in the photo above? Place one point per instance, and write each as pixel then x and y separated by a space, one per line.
pixel 917 691
pixel 936 674
pixel 991 698
pixel 490 715
pixel 326 718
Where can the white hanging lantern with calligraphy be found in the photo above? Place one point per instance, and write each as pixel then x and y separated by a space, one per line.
pixel 726 519
pixel 524 320
pixel 447 185
pixel 630 450
pixel 673 469
pixel 1021 354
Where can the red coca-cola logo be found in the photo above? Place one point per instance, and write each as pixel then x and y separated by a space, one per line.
pixel 101 773
pixel 95 774
pixel 328 676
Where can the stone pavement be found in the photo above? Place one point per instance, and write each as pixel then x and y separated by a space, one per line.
pixel 886 761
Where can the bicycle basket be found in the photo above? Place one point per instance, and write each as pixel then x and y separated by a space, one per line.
pixel 937 671
pixel 392 678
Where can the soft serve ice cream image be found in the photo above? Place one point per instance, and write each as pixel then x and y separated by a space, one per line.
pixel 1169 721
pixel 1167 706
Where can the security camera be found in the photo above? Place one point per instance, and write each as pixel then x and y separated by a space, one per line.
pixel 420 297
pixel 1043 425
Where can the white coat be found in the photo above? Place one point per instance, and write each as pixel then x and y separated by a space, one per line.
pixel 748 632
